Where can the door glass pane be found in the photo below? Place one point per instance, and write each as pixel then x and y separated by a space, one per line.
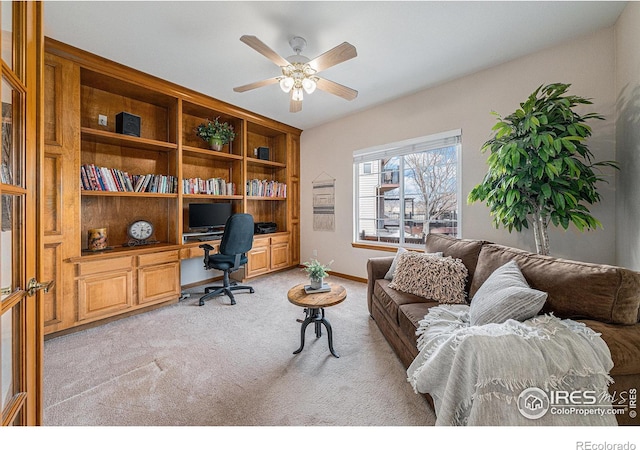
pixel 7 32
pixel 10 243
pixel 11 160
pixel 7 388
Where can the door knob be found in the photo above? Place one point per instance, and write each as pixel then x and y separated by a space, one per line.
pixel 34 286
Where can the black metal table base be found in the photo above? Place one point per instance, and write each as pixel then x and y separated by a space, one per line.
pixel 316 315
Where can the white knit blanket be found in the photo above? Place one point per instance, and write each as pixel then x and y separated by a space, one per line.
pixel 475 374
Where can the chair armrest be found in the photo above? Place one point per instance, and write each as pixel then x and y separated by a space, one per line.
pixel 377 268
pixel 207 248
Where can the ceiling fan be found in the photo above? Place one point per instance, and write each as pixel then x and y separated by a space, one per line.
pixel 299 73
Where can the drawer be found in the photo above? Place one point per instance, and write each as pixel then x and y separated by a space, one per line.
pixel 197 252
pixel 104 265
pixel 158 258
pixel 280 239
pixel 261 241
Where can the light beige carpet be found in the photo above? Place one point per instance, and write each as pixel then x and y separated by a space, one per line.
pixel 231 365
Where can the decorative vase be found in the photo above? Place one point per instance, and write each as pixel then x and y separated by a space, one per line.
pixel 97 239
pixel 215 143
pixel 316 283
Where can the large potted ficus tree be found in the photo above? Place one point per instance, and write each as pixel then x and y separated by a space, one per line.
pixel 540 168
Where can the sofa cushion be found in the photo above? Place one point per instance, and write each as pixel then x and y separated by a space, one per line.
pixel 622 341
pixel 409 316
pixel 575 290
pixel 505 295
pixel 437 278
pixel 390 299
pixel 467 250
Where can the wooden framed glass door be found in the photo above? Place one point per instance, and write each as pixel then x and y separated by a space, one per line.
pixel 21 328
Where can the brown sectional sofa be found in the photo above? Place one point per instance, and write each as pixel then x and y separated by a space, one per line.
pixel 605 298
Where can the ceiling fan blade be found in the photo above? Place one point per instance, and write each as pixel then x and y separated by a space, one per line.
pixel 264 50
pixel 336 55
pixel 337 89
pixel 257 84
pixel 294 105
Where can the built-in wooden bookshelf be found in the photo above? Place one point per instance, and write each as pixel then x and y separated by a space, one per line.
pixel 81 90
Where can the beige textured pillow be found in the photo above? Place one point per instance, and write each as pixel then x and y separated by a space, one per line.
pixel 440 279
pixel 394 264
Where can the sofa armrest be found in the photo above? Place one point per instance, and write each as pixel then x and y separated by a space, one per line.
pixel 377 268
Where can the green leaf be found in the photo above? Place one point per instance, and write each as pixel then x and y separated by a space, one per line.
pixel 546 190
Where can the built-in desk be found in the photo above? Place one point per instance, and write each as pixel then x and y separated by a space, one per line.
pixel 125 280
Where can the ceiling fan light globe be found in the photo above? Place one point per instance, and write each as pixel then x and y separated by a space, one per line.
pixel 297 95
pixel 286 84
pixel 309 85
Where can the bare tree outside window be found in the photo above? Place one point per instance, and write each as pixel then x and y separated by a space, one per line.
pixel 434 172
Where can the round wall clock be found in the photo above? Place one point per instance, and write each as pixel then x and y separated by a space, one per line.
pixel 140 232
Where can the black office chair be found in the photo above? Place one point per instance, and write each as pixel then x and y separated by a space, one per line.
pixel 236 242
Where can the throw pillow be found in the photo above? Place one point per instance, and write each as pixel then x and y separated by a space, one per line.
pixel 394 264
pixel 433 277
pixel 505 295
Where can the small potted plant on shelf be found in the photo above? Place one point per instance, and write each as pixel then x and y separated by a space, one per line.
pixel 316 272
pixel 216 133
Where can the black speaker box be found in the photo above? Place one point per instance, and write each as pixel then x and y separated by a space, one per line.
pixel 263 153
pixel 128 124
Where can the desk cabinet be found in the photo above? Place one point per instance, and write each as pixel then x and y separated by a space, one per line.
pixel 269 253
pixel 110 286
pixel 105 288
pixel 158 277
pixel 280 252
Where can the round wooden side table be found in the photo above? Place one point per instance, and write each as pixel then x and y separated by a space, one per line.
pixel 314 304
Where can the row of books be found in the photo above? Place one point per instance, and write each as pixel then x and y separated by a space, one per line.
pixel 94 178
pixel 212 186
pixel 266 188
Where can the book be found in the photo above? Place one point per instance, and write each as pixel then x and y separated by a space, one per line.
pixel 325 288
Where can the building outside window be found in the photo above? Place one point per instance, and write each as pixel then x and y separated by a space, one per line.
pixel 408 189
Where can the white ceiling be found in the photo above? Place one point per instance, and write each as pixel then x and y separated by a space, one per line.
pixel 403 47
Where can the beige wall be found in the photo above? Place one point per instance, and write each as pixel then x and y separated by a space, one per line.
pixel 627 39
pixel 587 63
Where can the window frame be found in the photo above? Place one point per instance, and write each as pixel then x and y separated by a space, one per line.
pixel 401 149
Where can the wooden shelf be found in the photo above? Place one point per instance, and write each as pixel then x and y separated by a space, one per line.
pixel 204 153
pixel 122 250
pixel 214 197
pixel 255 197
pixel 127 194
pixel 109 138
pixel 264 163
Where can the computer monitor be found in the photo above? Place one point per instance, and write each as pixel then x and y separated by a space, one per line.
pixel 209 216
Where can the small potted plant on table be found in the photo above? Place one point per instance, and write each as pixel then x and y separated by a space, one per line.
pixel 316 272
pixel 216 133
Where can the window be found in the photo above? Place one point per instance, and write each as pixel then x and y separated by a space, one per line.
pixel 408 189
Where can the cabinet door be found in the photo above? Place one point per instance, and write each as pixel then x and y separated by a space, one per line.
pixel 280 256
pixel 104 294
pixel 158 283
pixel 258 260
